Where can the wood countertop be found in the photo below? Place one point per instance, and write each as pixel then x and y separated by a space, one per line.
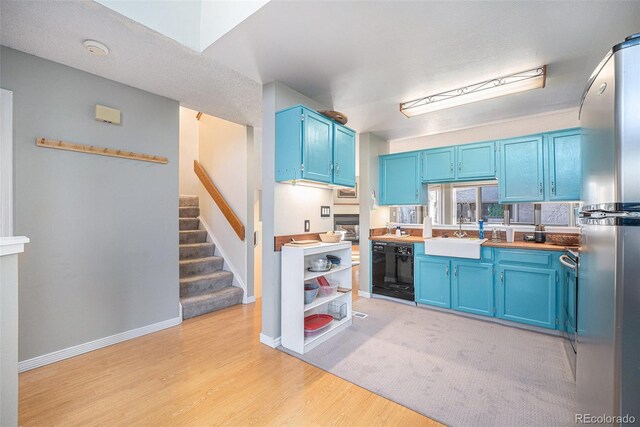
pixel 488 243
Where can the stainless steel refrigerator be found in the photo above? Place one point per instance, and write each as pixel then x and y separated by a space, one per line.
pixel 608 353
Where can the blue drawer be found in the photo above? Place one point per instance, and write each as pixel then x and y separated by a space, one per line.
pixel 526 257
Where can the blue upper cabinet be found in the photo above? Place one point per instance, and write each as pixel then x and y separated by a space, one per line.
pixel 400 179
pixel 563 165
pixel 317 147
pixel 439 165
pixel 476 161
pixel 521 170
pixel 460 163
pixel 344 156
pixel 312 147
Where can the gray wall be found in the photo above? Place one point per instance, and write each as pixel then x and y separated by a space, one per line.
pixel 275 97
pixel 103 257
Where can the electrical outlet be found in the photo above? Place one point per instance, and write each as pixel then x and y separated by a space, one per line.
pixel 325 211
pixel 307 225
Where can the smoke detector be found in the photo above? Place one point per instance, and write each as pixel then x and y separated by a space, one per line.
pixel 96 48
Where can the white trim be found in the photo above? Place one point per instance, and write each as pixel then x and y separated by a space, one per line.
pixel 364 294
pixel 179 309
pixel 6 163
pixel 66 353
pixel 227 266
pixel 271 342
pixel 12 245
pixel 248 300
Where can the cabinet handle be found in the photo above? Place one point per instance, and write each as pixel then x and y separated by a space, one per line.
pixel 541 189
pixel 553 187
pixel 446 270
pixel 330 166
pixel 337 169
pixel 455 271
pixel 502 277
pixel 416 194
pixel 460 167
pixel 451 168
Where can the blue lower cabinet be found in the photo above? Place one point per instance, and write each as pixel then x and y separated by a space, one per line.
pixel 472 287
pixel 527 295
pixel 432 281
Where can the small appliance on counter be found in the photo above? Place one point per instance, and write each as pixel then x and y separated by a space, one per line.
pixel 539 234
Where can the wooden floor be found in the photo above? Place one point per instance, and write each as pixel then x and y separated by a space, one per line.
pixel 210 370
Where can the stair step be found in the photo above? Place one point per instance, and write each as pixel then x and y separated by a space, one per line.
pixel 193 236
pixel 189 212
pixel 188 201
pixel 197 250
pixel 206 303
pixel 189 223
pixel 200 266
pixel 207 283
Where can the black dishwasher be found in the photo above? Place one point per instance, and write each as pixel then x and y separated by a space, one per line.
pixel 392 270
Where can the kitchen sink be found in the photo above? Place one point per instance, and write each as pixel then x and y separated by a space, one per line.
pixel 454 247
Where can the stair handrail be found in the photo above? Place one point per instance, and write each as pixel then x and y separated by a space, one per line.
pixel 215 194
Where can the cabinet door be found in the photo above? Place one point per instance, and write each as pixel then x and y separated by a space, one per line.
pixel 527 295
pixel 400 179
pixel 521 170
pixel 439 165
pixel 317 147
pixel 344 156
pixel 564 166
pixel 472 287
pixel 432 281
pixel 476 161
pixel 289 144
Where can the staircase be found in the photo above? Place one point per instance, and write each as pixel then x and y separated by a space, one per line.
pixel 204 285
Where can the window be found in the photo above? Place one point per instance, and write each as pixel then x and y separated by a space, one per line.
pixel 558 214
pixel 465 200
pixel 434 209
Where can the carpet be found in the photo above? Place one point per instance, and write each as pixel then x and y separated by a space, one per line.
pixel 456 370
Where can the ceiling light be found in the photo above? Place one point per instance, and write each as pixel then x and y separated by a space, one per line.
pixel 96 48
pixel 493 88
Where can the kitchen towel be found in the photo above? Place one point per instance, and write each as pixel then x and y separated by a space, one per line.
pixel 427 231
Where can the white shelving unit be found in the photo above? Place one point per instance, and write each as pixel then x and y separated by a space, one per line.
pixel 295 264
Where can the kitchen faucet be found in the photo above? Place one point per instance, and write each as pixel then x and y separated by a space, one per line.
pixel 460 234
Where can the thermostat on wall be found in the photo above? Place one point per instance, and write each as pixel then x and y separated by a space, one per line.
pixel 107 115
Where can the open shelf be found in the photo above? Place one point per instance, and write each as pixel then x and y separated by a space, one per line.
pixel 308 275
pixel 323 300
pixel 335 324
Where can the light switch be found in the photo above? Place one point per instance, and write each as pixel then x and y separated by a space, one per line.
pixel 107 115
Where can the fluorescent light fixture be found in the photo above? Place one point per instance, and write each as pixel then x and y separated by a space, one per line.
pixel 493 88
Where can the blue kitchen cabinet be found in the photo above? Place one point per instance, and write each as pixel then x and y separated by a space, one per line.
pixel 527 295
pixel 472 287
pixel 476 161
pixel 563 165
pixel 432 281
pixel 311 147
pixel 520 177
pixel 400 179
pixel 439 164
pixel 344 156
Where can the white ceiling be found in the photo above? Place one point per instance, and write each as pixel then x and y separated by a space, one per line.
pixel 138 57
pixel 362 58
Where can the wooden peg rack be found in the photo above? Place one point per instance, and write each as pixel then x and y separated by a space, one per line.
pixel 102 151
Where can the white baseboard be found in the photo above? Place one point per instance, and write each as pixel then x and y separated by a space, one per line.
pixel 248 300
pixel 66 353
pixel 271 342
pixel 228 266
pixel 364 294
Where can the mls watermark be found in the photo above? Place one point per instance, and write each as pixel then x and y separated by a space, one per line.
pixel 605 419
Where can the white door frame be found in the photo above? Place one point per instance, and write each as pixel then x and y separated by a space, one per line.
pixel 6 163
